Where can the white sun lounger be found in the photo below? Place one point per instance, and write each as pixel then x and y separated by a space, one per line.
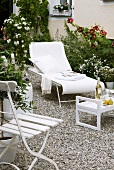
pixel 50 62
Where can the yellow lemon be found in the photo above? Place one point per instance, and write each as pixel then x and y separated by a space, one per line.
pixel 110 101
pixel 106 102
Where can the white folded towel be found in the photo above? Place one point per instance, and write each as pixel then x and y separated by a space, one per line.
pixel 46 84
pixel 70 77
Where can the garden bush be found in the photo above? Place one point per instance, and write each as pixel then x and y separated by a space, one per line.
pixel 87 49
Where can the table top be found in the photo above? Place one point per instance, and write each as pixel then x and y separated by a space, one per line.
pixel 91 106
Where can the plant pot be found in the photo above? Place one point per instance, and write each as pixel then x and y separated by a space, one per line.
pixel 7 107
pixel 110 85
pixel 62 13
pixel 10 154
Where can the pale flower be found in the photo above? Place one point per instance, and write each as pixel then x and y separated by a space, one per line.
pixel 16 43
pixel 24 23
pixel 27 28
pixel 8 41
pixel 25 51
pixel 5 21
pixel 19 27
pixel 16 35
pixel 2 28
pixel 22 18
pixel 16 25
pixel 10 21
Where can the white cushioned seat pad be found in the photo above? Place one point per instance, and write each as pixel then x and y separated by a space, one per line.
pixel 47 64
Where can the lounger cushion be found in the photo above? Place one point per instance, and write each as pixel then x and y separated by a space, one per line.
pixel 47 64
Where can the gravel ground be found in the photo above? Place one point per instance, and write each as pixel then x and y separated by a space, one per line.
pixel 72 147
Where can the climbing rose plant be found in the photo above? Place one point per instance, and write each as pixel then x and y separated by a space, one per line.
pixel 84 44
pixel 16 32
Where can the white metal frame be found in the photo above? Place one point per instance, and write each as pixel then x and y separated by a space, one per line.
pixel 34 71
pixel 6 163
pixel 27 125
pixel 91 106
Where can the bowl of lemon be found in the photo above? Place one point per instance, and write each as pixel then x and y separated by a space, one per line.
pixel 109 101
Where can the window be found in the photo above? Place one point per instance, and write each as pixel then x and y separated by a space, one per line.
pixel 106 2
pixel 61 8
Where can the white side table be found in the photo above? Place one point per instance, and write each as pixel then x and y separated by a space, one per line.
pixel 91 106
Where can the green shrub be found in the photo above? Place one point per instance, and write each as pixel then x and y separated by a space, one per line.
pixel 37 13
pixel 16 33
pixel 87 49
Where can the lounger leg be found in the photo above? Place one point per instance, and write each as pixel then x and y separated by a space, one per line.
pixel 77 116
pixel 77 112
pixel 58 96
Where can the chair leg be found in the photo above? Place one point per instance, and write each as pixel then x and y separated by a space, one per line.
pixel 45 158
pixel 6 163
pixel 26 162
pixel 39 155
pixel 49 160
pixel 32 164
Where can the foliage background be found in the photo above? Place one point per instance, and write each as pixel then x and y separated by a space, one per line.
pixel 37 13
pixel 87 49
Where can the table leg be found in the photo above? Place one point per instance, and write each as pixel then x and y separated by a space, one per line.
pixel 98 121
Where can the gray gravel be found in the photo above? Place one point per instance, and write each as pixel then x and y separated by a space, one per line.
pixel 72 147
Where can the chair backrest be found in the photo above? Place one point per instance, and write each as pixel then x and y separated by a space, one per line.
pixel 8 85
pixel 52 53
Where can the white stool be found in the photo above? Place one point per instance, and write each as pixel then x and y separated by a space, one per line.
pixel 91 106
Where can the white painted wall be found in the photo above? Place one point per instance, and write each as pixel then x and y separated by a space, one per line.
pixel 15 9
pixel 87 13
pixel 56 24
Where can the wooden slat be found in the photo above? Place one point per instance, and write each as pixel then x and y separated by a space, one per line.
pixel 44 117
pixel 31 125
pixel 24 130
pixel 37 120
pixel 14 132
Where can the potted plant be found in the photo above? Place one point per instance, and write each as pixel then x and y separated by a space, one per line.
pixel 62 9
pixel 11 72
pixel 107 74
pixel 16 39
pixel 14 55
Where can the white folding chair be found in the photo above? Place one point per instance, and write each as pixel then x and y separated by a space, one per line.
pixel 27 126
